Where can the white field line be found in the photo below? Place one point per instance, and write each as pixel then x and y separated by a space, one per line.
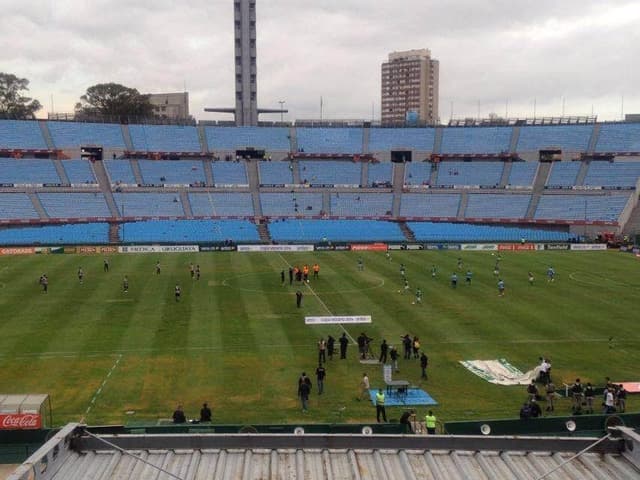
pixel 99 390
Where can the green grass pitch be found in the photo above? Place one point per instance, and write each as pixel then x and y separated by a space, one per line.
pixel 237 340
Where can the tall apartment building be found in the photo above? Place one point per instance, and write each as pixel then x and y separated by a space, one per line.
pixel 410 88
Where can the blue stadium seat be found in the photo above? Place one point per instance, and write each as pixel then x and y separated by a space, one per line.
pixel 476 139
pixel 335 231
pixel 28 171
pixel 417 173
pixel 79 172
pixel 119 171
pixel 563 174
pixel 330 172
pixel 619 137
pixel 189 231
pixel 330 140
pixel 221 204
pixel 619 174
pixel 275 173
pixel 465 232
pixel 386 139
pixel 71 234
pixel 234 138
pixel 564 137
pixel 229 173
pixel 581 207
pixel 17 206
pixel 74 134
pixel 164 138
pixel 477 173
pixel 522 174
pixel 19 134
pixel 380 174
pixel 496 205
pixel 74 205
pixel 361 204
pixel 174 172
pixel 429 205
pixel 291 204
pixel 149 204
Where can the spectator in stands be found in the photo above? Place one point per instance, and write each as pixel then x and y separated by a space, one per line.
pixel 205 413
pixel 178 415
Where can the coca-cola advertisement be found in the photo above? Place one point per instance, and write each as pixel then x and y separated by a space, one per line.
pixel 20 421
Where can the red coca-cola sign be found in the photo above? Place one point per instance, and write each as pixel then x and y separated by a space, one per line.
pixel 20 421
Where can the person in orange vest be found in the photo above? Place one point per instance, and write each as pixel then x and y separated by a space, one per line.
pixel 316 270
pixel 305 273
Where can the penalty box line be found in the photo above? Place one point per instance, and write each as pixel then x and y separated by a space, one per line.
pixel 321 302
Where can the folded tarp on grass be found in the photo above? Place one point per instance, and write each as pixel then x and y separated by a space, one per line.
pixel 500 372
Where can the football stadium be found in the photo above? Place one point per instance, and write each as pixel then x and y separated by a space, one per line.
pixel 318 299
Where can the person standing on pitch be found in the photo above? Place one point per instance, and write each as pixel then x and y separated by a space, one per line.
pixel 178 292
pixel 205 413
pixel 393 353
pixel 424 361
pixel 344 343
pixel 330 346
pixel 321 373
pixel 298 298
pixel 384 348
pixel 380 406
pixel 125 284
pixel 322 350
pixel 105 265
pixel 282 277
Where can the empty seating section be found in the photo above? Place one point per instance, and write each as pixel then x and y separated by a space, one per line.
pixel 77 233
pixel 329 140
pixel 164 138
pixel 566 137
pixel 380 173
pixel 275 173
pixel 385 139
pixel 429 205
pixel 613 174
pixel 16 206
pixel 172 231
pixel 335 230
pixel 476 139
pixel 262 138
pixel 120 171
pixel 361 204
pixel 329 172
pixel 171 172
pixel 28 171
pixel 15 134
pixel 563 174
pixel 221 204
pixel 581 207
pixel 79 171
pixel 149 204
pixel 71 134
pixel 291 204
pixel 229 173
pixel 417 173
pixel 74 205
pixel 522 174
pixel 464 232
pixel 619 137
pixel 496 205
pixel 477 173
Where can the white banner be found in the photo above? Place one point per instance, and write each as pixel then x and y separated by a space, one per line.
pixel 479 246
pixel 158 249
pixel 588 246
pixel 275 248
pixel 337 319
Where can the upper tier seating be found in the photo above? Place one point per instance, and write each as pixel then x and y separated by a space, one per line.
pixel 234 138
pixel 149 204
pixel 329 172
pixel 72 134
pixel 429 205
pixel 221 204
pixel 470 173
pixel 581 207
pixel 613 174
pixel 16 134
pixel 563 174
pixel 172 231
pixel 291 204
pixel 330 140
pixel 164 138
pixel 120 171
pixel 174 172
pixel 464 232
pixel 275 173
pixel 16 206
pixel 72 234
pixel 386 139
pixel 476 139
pixel 335 230
pixel 417 173
pixel 496 205
pixel 361 204
pixel 565 137
pixel 619 137
pixel 522 174
pixel 74 205
pixel 79 172
pixel 28 171
pixel 380 174
pixel 229 173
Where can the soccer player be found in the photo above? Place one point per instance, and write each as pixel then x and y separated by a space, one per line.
pixel 298 298
pixel 434 271
pixel 406 286
pixel 530 274
pixel 388 255
pixel 158 267
pixel 496 269
pixel 403 271
pixel 105 265
pixel 360 264
pixel 418 295
pixel 551 274
pixel 468 276
pixel 125 284
pixel 500 288
pixel 454 280
pixel 316 270
pixel 192 271
pixel 282 277
pixel 459 263
pixel 44 282
pixel 178 292
pixel 80 274
pixel 197 272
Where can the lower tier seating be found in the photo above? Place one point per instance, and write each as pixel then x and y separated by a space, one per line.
pixel 84 233
pixel 464 232
pixel 181 231
pixel 335 230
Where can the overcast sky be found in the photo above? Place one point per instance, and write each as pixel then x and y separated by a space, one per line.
pixel 495 55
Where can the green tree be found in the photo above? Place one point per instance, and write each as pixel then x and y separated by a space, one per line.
pixel 113 100
pixel 13 104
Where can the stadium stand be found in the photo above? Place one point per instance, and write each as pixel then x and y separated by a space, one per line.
pixel 469 140
pixel 330 140
pixel 581 207
pixel 74 134
pixel 221 204
pixel 291 204
pixel 417 173
pixel 384 139
pixel 77 233
pixel 172 172
pixel 149 204
pixel 335 230
pixel 275 173
pixel 478 173
pixel 74 205
pixel 79 172
pixel 232 138
pixel 563 174
pixel 522 174
pixel 16 135
pixel 496 205
pixel 613 174
pixel 330 172
pixel 171 231
pixel 120 171
pixel 17 206
pixel 565 137
pixel 429 205
pixel 380 174
pixel 361 204
pixel 464 232
pixel 229 173
pixel 164 138
pixel 28 171
pixel 619 137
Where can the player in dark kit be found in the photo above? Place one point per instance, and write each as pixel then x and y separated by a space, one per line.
pixel 158 267
pixel 344 343
pixel 44 282
pixel 197 272
pixel 192 271
pixel 125 284
pixel 80 275
pixel 282 277
pixel 298 298
pixel 290 276
pixel 178 292
pixel 105 265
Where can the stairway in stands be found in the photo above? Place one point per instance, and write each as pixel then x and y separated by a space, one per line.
pixel 632 227
pixel 202 137
pixel 408 234
pixel 114 233
pixel 398 183
pixel 186 204
pixel 506 173
pixel 263 231
pixel 462 207
pixel 62 173
pixel 137 173
pixel 46 134
pixel 538 187
pixel 254 186
pixel 126 136
pixel 35 200
pixel 105 187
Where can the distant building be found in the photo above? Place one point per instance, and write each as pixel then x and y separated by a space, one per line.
pixel 632 117
pixel 410 88
pixel 173 106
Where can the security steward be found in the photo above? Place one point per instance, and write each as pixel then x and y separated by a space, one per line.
pixel 430 423
pixel 380 406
